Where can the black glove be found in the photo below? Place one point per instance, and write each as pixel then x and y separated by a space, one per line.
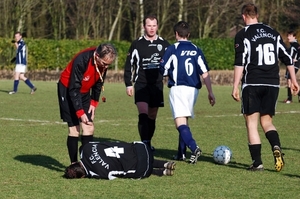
pixel 13 60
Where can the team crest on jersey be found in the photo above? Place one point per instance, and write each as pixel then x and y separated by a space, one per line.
pixel 159 47
pixel 236 45
pixel 87 78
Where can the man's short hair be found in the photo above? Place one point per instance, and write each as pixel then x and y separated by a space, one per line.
pixel 106 49
pixel 151 17
pixel 74 171
pixel 18 32
pixel 182 28
pixel 250 9
pixel 292 32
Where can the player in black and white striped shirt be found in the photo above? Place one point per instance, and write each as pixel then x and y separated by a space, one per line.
pixel 294 51
pixel 257 50
pixel 143 79
pixel 110 160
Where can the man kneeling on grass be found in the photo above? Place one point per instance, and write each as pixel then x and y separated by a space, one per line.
pixel 110 160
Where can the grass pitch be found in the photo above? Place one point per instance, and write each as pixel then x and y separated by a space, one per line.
pixel 34 154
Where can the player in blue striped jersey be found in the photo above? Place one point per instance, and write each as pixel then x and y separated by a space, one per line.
pixel 21 64
pixel 184 63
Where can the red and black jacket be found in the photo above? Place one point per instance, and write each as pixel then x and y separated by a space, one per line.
pixel 81 77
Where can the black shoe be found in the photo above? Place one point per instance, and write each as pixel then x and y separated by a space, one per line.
pixel 178 158
pixel 152 148
pixel 148 143
pixel 278 158
pixel 33 90
pixel 194 157
pixel 258 168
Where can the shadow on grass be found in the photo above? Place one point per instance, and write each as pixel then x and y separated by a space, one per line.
pixel 291 149
pixel 4 91
pixel 206 157
pixel 42 160
pixel 292 175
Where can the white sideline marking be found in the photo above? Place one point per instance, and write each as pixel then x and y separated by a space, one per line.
pixel 103 121
pixel 43 121
pixel 235 115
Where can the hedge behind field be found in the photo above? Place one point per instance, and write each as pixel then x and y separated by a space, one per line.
pixel 55 54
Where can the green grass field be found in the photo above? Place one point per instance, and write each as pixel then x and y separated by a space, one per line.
pixel 34 154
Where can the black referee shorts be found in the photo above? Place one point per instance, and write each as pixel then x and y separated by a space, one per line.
pixel 67 110
pixel 260 99
pixel 152 94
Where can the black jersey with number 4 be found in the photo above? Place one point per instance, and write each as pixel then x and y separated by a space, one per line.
pixel 258 48
pixel 110 160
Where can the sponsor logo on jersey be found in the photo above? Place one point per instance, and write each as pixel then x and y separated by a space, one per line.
pixel 159 47
pixel 188 53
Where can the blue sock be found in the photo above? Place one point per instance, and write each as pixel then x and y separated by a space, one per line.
pixel 16 84
pixel 27 81
pixel 187 137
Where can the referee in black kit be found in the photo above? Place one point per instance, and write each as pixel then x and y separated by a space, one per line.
pixel 257 50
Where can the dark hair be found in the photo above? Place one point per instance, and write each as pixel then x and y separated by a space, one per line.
pixel 74 171
pixel 106 49
pixel 182 28
pixel 250 9
pixel 292 32
pixel 151 17
pixel 18 32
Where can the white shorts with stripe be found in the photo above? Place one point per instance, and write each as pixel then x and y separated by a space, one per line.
pixel 182 100
pixel 20 68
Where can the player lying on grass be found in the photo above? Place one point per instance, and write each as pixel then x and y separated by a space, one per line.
pixel 110 160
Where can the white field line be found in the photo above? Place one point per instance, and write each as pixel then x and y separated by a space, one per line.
pixel 235 115
pixel 113 122
pixel 43 122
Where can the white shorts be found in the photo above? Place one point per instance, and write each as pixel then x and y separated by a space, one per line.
pixel 182 101
pixel 20 68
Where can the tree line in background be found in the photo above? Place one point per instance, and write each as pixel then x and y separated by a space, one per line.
pixel 121 19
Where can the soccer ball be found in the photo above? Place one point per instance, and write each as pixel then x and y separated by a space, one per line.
pixel 222 154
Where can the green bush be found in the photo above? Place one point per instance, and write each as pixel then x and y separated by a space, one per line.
pixel 219 53
pixel 44 54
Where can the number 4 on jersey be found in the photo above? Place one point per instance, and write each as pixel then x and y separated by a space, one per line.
pixel 114 151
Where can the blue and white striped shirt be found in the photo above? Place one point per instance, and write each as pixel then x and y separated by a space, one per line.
pixel 21 57
pixel 183 63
